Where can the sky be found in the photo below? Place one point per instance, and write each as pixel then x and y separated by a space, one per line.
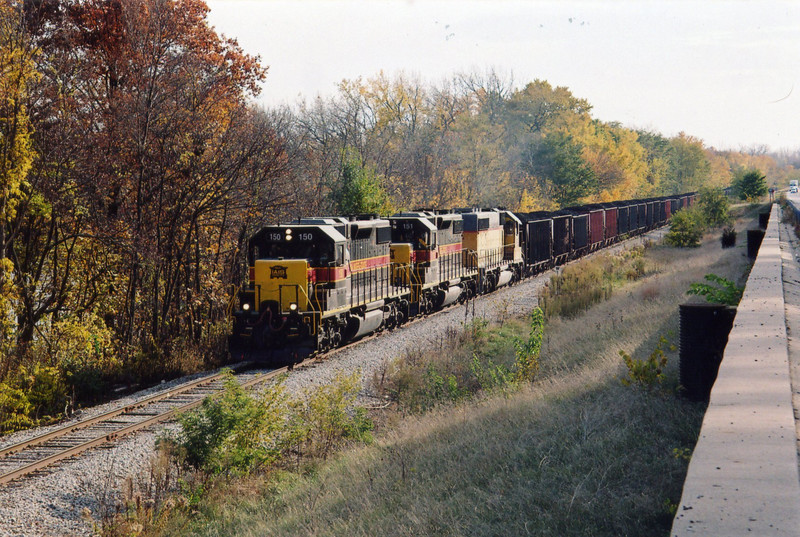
pixel 727 72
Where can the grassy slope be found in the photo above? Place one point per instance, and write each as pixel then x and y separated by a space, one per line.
pixel 576 453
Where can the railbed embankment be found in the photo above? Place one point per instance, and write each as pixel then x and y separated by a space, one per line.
pixel 743 475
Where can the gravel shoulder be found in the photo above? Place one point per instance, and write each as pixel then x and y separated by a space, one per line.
pixel 53 503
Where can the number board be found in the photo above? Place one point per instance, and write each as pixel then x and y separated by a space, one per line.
pixel 289 234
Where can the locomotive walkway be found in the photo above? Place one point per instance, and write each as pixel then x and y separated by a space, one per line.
pixel 743 476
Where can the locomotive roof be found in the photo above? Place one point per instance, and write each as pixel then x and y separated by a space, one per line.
pixel 377 222
pixel 322 220
pixel 422 218
pixel 472 220
pixel 328 230
pixel 413 214
pixel 511 215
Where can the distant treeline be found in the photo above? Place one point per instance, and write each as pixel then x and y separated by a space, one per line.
pixel 134 164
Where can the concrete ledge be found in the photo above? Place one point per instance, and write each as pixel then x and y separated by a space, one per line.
pixel 743 476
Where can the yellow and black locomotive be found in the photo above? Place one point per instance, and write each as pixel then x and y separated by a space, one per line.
pixel 314 284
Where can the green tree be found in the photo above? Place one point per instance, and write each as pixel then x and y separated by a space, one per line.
pixel 750 184
pixel 689 167
pixel 714 205
pixel 558 163
pixel 686 228
pixel 360 191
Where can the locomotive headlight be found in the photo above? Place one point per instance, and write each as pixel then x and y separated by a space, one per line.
pixel 246 306
pixel 288 234
pixel 293 306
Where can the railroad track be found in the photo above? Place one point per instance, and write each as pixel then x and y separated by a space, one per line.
pixel 40 452
pixel 37 453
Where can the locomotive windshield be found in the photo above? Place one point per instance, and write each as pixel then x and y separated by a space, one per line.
pixel 318 249
pixel 318 255
pixel 412 231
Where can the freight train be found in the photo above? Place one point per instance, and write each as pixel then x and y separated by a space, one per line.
pixel 318 283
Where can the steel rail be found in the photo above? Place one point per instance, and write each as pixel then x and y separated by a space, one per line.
pixel 38 465
pixel 102 439
pixel 14 448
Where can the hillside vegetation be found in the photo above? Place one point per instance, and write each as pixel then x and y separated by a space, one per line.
pixel 593 446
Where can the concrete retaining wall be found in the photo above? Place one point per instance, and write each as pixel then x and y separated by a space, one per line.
pixel 743 476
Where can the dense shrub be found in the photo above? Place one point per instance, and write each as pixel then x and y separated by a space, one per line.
pixel 647 373
pixel 686 228
pixel 728 238
pixel 715 207
pixel 32 396
pixel 235 432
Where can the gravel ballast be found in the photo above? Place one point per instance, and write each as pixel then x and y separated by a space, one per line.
pixel 56 501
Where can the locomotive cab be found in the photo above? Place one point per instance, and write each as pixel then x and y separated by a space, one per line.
pixel 292 271
pixel 413 250
pixel 512 236
pixel 426 252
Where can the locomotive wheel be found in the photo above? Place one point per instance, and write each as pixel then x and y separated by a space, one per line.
pixel 336 336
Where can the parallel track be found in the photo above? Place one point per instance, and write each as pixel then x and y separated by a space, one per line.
pixel 32 455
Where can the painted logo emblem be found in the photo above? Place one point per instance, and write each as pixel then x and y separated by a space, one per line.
pixel 277 272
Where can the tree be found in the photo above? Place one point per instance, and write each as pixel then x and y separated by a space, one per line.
pixel 153 168
pixel 750 185
pixel 539 107
pixel 688 165
pixel 558 163
pixel 361 191
pixel 17 72
pixel 714 205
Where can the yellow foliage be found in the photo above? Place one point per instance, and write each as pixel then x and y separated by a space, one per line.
pixel 76 342
pixel 534 199
pixel 617 158
pixel 16 72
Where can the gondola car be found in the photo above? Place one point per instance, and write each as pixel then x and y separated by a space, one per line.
pixel 580 232
pixel 537 240
pixel 611 226
pixel 562 237
pixel 623 218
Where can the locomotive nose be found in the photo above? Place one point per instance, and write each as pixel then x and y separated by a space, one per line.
pixel 283 281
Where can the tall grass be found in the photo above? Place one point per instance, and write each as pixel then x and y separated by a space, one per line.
pixel 574 453
pixel 580 285
pixel 482 357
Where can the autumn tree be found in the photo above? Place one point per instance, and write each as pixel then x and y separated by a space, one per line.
pixel 158 167
pixel 17 71
pixel 688 166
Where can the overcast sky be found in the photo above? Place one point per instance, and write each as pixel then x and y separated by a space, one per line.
pixel 727 72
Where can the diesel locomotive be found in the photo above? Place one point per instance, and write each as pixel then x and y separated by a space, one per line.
pixel 316 283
